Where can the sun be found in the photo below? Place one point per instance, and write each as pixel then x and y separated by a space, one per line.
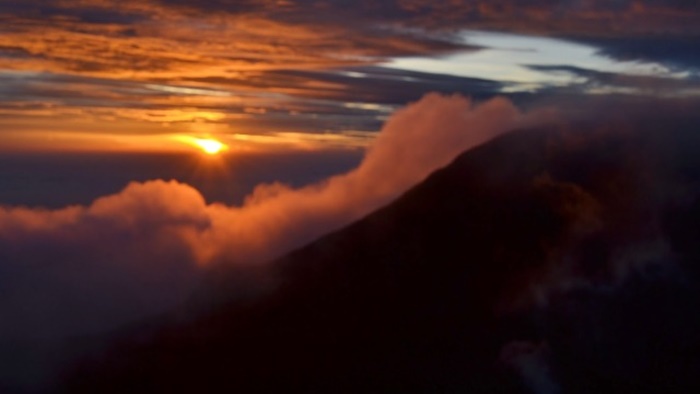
pixel 210 146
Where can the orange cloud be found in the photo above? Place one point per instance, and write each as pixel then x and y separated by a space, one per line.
pixel 154 41
pixel 170 40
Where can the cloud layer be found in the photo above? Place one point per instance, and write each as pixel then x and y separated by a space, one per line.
pixel 220 67
pixel 89 268
pixel 167 39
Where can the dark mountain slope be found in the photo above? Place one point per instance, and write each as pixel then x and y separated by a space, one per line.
pixel 545 261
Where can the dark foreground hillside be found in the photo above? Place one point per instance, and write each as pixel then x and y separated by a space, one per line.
pixel 547 261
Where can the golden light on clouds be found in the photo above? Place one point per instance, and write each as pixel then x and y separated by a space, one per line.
pixel 303 74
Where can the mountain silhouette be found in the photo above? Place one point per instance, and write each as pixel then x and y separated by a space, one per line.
pixel 552 260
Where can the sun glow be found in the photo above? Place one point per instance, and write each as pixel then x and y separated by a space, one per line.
pixel 209 146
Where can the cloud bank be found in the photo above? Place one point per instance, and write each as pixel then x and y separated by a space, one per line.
pixel 84 269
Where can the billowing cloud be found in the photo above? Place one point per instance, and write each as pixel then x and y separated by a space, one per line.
pixel 414 142
pixel 88 268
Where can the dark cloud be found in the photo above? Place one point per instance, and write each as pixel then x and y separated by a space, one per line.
pixel 679 52
pixel 333 100
pixel 388 86
pixel 14 52
pixel 99 12
pixel 599 82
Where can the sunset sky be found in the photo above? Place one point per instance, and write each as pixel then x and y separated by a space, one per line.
pixel 270 78
pixel 98 75
pixel 142 140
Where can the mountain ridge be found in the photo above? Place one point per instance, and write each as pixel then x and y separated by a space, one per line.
pixel 457 286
